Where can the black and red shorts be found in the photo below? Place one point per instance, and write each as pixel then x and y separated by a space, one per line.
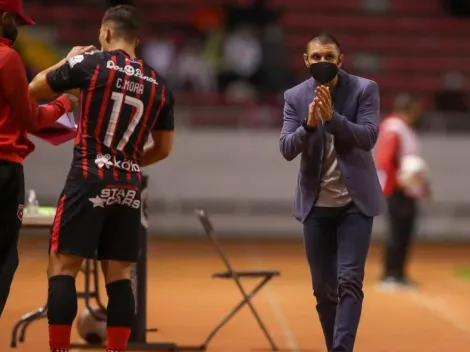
pixel 98 220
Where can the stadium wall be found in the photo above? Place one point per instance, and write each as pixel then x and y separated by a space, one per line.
pixel 242 180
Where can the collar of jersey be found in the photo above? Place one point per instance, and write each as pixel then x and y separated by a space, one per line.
pixel 124 53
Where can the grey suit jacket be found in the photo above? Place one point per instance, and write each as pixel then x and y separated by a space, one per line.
pixel 355 128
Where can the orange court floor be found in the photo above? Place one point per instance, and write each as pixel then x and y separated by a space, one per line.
pixel 184 302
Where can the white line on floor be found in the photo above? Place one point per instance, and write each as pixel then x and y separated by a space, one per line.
pixel 439 309
pixel 289 338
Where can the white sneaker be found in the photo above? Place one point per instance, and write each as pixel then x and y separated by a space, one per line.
pixel 393 284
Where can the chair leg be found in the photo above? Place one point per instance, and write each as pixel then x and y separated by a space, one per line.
pixel 41 314
pixel 25 320
pixel 246 300
pixel 258 318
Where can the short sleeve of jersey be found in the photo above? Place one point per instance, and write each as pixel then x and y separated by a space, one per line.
pixel 166 120
pixel 76 73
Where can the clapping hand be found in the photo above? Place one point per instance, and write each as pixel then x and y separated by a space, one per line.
pixel 313 114
pixel 324 102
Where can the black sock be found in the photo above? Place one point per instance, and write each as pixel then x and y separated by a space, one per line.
pixel 62 300
pixel 121 304
pixel 62 309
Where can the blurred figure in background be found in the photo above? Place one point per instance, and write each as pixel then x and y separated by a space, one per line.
pixel 255 13
pixel 242 58
pixel 193 73
pixel 209 21
pixel 159 52
pixel 207 16
pixel 452 97
pixel 397 141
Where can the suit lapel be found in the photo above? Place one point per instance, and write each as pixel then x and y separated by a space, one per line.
pixel 340 93
pixel 310 93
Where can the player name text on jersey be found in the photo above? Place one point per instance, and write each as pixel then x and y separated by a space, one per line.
pixel 130 86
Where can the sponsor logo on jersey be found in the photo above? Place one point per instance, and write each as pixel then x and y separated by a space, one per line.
pixel 107 161
pixel 120 196
pixel 130 71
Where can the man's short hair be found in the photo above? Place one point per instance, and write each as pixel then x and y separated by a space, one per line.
pixel 125 21
pixel 403 102
pixel 324 39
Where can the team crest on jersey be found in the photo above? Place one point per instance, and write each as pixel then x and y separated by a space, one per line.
pixel 19 213
pixel 79 58
pixel 130 71
pixel 76 60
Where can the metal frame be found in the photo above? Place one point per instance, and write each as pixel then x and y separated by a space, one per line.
pixel 89 268
pixel 138 338
pixel 138 341
pixel 265 276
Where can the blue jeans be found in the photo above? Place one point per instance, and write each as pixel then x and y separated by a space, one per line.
pixel 337 242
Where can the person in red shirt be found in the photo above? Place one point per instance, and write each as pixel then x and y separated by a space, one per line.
pixel 19 113
pixel 397 140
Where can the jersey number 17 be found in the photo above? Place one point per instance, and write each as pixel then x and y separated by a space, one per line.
pixel 120 99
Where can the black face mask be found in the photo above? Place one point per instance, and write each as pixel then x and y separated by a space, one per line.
pixel 323 72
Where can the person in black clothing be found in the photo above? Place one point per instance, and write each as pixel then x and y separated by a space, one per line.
pixel 123 102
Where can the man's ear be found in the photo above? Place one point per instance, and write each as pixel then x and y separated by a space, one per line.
pixel 340 60
pixel 108 34
pixel 306 59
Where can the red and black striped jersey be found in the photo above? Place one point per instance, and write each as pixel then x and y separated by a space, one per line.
pixel 122 101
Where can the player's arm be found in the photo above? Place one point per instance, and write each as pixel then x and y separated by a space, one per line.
pixel 294 135
pixel 68 75
pixel 14 89
pixel 162 135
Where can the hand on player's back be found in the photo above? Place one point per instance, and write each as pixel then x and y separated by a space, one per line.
pixel 74 100
pixel 79 50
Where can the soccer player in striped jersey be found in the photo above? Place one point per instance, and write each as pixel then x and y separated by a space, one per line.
pixel 123 102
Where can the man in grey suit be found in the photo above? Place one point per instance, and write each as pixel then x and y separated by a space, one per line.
pixel 331 120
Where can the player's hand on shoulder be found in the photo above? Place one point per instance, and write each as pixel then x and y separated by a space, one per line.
pixel 80 50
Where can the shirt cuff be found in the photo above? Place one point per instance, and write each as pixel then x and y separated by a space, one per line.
pixel 65 102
